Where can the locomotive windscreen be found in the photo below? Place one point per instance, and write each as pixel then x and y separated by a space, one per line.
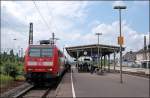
pixel 40 52
pixel 86 59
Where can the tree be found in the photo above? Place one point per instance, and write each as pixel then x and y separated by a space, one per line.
pixel 11 52
pixel 4 57
pixel 17 57
pixel 12 57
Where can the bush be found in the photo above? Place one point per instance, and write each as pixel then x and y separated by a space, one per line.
pixel 11 70
pixel 20 78
pixel 1 69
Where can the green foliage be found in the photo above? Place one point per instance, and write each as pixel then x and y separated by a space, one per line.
pixel 5 79
pixel 11 64
pixel 4 56
pixel 11 70
pixel 20 68
pixel 20 78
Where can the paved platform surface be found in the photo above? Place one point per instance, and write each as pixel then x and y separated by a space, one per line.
pixel 107 85
pixel 64 88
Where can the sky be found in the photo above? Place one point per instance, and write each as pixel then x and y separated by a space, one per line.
pixel 73 22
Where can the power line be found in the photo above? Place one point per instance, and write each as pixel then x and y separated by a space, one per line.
pixel 51 15
pixel 54 24
pixel 41 15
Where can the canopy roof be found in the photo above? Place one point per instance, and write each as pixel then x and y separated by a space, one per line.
pixel 92 50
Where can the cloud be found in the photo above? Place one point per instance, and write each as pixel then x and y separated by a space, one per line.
pixel 70 9
pixel 10 21
pixel 8 43
pixel 62 18
pixel 118 3
pixel 59 15
pixel 133 39
pixel 142 2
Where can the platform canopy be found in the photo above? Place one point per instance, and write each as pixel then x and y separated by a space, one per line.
pixel 92 50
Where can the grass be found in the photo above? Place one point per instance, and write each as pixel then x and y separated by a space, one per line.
pixel 5 80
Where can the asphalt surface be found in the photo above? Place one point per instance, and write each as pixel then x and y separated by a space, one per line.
pixel 64 88
pixel 108 85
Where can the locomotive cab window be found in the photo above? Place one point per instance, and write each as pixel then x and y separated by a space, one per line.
pixel 46 52
pixel 86 59
pixel 40 52
pixel 34 52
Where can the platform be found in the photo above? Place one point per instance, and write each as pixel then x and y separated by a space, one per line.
pixel 64 88
pixel 107 85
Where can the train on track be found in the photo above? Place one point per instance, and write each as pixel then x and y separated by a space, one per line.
pixel 84 63
pixel 44 62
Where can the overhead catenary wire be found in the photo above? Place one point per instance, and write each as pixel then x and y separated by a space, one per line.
pixel 41 15
pixel 50 14
pixel 52 18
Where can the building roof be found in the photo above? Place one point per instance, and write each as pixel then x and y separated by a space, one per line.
pixel 92 49
pixel 129 56
pixel 143 51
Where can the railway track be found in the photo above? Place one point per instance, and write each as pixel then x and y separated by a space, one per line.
pixel 15 91
pixel 38 91
pixel 35 93
pixel 19 94
pixel 27 90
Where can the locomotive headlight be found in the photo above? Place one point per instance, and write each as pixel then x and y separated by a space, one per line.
pixel 29 69
pixel 48 63
pixel 32 63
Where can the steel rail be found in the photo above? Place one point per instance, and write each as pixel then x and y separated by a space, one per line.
pixel 23 92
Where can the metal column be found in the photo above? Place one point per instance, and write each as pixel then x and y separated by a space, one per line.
pixel 77 63
pixel 91 56
pixel 108 62
pixel 121 80
pixel 91 52
pixel 104 61
pixel 31 34
pixel 114 61
pixel 98 57
pixel 101 62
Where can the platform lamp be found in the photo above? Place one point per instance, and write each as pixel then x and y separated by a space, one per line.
pixel 120 8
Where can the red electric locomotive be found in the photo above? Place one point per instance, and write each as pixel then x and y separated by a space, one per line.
pixel 43 63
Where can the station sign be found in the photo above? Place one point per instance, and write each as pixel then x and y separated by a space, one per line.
pixel 120 40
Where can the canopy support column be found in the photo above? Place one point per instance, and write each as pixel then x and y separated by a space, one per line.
pixel 114 61
pixel 104 62
pixel 77 62
pixel 108 62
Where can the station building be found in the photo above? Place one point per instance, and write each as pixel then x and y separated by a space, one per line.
pixel 143 58
pixel 139 59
